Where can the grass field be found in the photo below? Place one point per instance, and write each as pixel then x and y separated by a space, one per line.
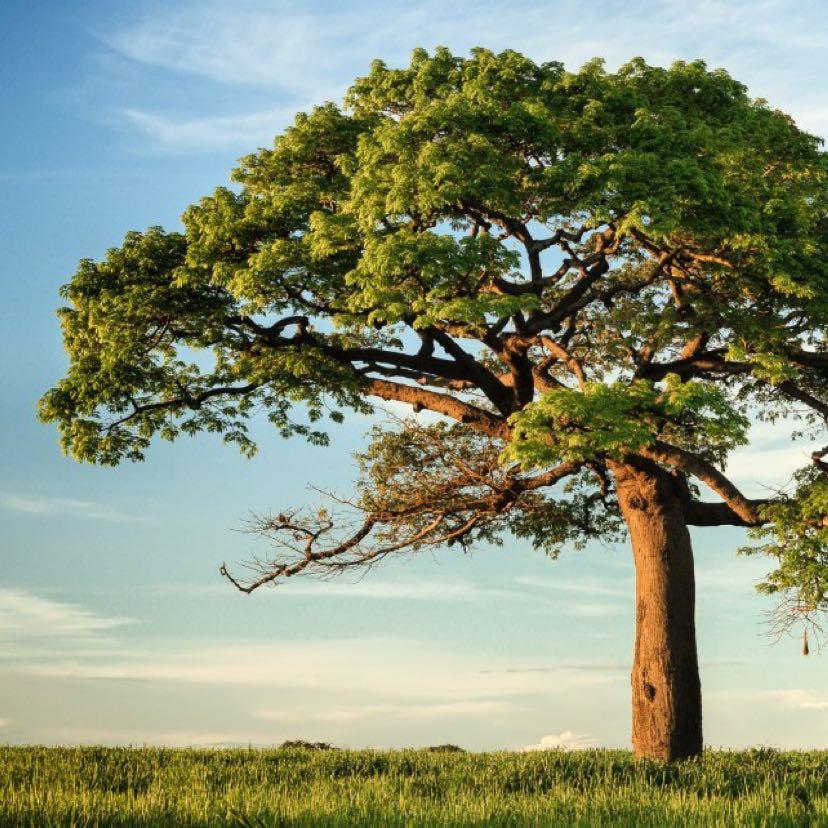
pixel 149 786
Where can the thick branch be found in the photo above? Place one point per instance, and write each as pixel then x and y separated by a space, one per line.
pixel 699 364
pixel 569 302
pixel 701 513
pixel 488 383
pixel 811 359
pixel 462 366
pixel 420 398
pixel 678 458
pixel 792 390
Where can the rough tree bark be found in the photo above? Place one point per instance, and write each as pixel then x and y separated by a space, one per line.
pixel 666 689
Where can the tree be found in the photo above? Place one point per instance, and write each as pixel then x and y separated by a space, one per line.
pixel 592 277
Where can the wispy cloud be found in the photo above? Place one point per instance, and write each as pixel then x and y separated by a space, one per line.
pixel 270 44
pixel 739 576
pixel 44 506
pixel 521 588
pixel 605 667
pixel 563 741
pixel 390 590
pixel 793 698
pixel 596 609
pixel 307 54
pixel 770 459
pixel 280 44
pixel 245 131
pixel 364 589
pixel 586 587
pixel 761 470
pixel 393 669
pixel 802 699
pixel 23 614
pixel 138 737
pixel 600 667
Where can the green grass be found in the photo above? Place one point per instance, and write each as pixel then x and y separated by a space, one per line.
pixel 149 786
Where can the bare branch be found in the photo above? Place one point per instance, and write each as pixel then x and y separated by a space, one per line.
pixel 790 616
pixel 446 511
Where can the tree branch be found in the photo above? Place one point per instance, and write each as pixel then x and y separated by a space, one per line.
pixel 701 513
pixel 678 458
pixel 429 521
pixel 185 401
pixel 420 398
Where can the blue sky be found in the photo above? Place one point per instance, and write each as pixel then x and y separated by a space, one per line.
pixel 114 625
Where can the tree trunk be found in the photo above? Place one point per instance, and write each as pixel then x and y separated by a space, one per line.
pixel 666 690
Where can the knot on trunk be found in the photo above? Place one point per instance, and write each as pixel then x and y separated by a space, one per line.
pixel 639 503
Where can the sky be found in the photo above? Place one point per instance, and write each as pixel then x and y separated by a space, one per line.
pixel 115 626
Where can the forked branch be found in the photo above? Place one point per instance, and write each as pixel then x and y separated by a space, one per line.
pixel 471 505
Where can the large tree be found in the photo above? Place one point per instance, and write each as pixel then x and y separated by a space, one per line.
pixel 593 278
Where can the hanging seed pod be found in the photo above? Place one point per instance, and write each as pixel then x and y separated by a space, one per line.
pixel 805 649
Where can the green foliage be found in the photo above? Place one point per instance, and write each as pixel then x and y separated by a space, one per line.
pixel 565 424
pixel 155 786
pixel 611 420
pixel 134 320
pixel 388 283
pixel 388 241
pixel 766 365
pixel 797 537
pixel 352 218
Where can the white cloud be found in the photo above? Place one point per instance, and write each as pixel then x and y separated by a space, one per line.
pixel 759 471
pixel 587 586
pixel 802 699
pixel 791 698
pixel 740 575
pixel 594 609
pixel 563 741
pixel 353 689
pixel 63 507
pixel 281 44
pixel 525 589
pixel 363 589
pixel 602 667
pixel 391 670
pixel 245 131
pixel 313 55
pixel 236 43
pixel 390 590
pixel 768 462
pixel 25 614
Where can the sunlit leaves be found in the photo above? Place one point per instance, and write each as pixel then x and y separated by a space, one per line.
pixel 429 278
pixel 621 418
pixel 797 537
pixel 396 220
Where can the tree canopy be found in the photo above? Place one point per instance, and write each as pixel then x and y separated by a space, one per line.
pixel 570 268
